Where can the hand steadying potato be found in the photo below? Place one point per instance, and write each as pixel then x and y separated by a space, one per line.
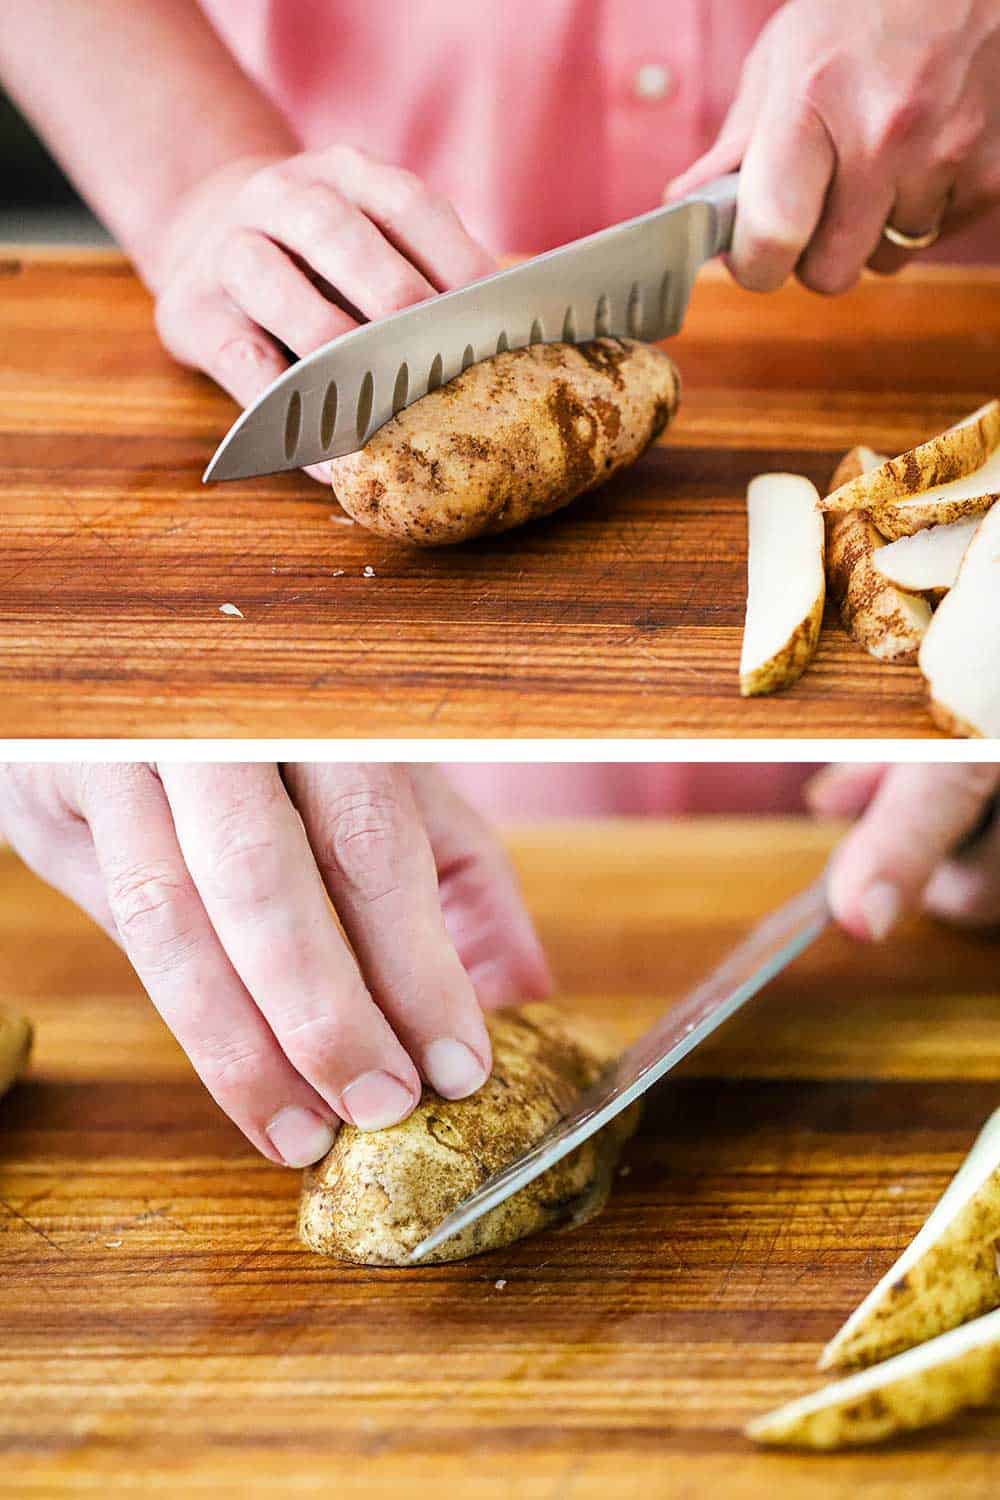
pixel 218 880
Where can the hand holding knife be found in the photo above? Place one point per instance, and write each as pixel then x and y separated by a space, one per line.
pixel 772 945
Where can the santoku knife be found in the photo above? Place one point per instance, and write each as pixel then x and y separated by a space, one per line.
pixel 633 280
pixel 770 947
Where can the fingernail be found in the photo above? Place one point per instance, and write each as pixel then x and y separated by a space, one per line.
pixel 880 907
pixel 300 1136
pixel 452 1068
pixel 376 1100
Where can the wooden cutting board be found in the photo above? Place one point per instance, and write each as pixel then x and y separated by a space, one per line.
pixel 163 1333
pixel 621 616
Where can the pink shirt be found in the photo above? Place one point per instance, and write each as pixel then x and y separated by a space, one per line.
pixel 542 120
pixel 529 792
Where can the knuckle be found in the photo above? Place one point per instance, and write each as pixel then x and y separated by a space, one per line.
pixel 364 842
pixel 247 353
pixel 314 1044
pixel 402 290
pixel 240 258
pixel 895 120
pixel 407 194
pixel 151 906
pixel 248 867
pixel 232 1068
pixel 316 212
pixel 954 145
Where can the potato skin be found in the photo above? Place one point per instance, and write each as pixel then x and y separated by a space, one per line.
pixel 375 1195
pixel 15 1045
pixel 510 439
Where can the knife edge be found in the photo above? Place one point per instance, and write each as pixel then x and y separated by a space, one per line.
pixel 769 947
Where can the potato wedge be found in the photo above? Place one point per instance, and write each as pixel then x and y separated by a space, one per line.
pixel 376 1195
pixel 924 1386
pixel 963 499
pixel 510 439
pixel 786 586
pixel 947 1275
pixel 960 654
pixel 15 1045
pixel 953 455
pixel 887 622
pixel 927 562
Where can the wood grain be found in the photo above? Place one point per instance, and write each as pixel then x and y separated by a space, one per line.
pixel 620 616
pixel 163 1332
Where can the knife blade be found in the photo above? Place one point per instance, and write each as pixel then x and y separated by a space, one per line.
pixel 769 948
pixel 633 280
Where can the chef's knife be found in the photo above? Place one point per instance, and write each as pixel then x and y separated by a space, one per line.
pixel 770 947
pixel 633 280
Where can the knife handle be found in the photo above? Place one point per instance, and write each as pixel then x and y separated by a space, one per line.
pixel 721 195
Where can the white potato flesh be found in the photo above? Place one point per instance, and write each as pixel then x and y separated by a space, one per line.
pixel 947 1274
pixel 916 1389
pixel 786 584
pixel 960 654
pixel 927 560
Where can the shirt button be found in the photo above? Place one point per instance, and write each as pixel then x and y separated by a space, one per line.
pixel 653 81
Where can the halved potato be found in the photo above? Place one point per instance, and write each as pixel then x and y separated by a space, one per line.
pixel 786 585
pixel 377 1194
pixel 928 561
pixel 935 465
pixel 885 620
pixel 947 1275
pixel 924 1386
pixel 960 654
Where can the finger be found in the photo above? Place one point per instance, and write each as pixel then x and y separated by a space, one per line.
pixel 272 291
pixel 251 863
pixel 783 182
pixel 850 227
pixel 724 156
pixel 42 823
pixel 966 891
pixel 726 152
pixel 420 223
pixel 163 927
pixel 843 791
pixel 212 334
pixel 484 909
pixel 915 820
pixel 371 848
pixel 339 243
pixel 920 204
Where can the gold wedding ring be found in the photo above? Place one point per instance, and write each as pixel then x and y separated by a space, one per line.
pixel 911 241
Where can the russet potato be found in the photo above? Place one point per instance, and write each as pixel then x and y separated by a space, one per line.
pixel 510 439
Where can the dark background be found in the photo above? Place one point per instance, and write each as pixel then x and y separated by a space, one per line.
pixel 37 202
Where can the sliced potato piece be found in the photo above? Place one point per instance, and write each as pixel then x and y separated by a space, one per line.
pixel 786 585
pixel 951 456
pixel 947 1274
pixel 924 1386
pixel 960 654
pixel 885 620
pixel 376 1194
pixel 963 499
pixel 856 461
pixel 927 562
pixel 15 1044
